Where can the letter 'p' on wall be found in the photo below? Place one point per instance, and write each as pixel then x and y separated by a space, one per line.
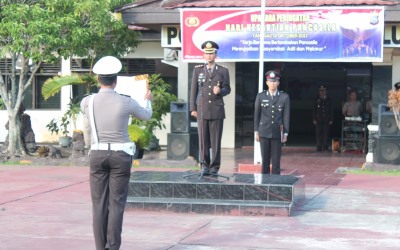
pixel 171 36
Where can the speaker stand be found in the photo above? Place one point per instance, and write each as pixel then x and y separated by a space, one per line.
pixel 204 173
pixel 201 174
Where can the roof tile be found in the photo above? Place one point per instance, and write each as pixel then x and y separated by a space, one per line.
pixel 276 3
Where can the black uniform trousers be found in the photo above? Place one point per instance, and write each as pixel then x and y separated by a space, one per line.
pixel 322 135
pixel 109 183
pixel 210 135
pixel 271 151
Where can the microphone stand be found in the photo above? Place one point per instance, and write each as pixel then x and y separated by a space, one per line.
pixel 203 164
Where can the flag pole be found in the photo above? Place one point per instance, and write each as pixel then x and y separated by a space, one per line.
pixel 262 33
pixel 257 152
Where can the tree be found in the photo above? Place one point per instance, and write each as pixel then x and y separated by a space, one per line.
pixel 53 85
pixel 42 31
pixel 163 97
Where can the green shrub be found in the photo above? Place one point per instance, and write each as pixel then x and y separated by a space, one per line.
pixel 140 136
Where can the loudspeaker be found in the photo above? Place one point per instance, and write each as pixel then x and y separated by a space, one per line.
pixel 182 145
pixel 387 150
pixel 178 146
pixel 179 117
pixel 387 122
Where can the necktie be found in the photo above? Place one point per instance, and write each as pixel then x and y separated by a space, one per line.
pixel 209 71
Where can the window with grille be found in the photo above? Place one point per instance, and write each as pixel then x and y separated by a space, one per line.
pixel 33 98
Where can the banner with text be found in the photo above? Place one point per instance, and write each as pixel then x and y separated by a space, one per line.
pixel 340 34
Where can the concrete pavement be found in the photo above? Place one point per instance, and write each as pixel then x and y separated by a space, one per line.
pixel 48 207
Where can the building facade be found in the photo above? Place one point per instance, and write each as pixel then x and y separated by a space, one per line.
pixel 159 22
pixel 371 79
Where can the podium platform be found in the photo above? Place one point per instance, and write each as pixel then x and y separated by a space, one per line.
pixel 242 194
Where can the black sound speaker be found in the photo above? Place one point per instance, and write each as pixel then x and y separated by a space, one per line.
pixel 387 150
pixel 178 146
pixel 387 122
pixel 179 117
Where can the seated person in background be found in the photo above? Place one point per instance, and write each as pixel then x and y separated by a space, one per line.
pixel 352 107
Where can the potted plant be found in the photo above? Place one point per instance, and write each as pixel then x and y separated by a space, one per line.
pixel 53 86
pixel 55 126
pixel 141 137
pixel 65 140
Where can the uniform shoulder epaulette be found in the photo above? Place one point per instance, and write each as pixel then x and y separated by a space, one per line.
pixel 125 95
pixel 199 66
pixel 222 66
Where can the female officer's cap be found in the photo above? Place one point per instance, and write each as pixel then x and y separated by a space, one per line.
pixel 272 76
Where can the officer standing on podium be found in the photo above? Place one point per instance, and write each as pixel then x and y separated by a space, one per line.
pixel 271 123
pixel 210 83
pixel 110 152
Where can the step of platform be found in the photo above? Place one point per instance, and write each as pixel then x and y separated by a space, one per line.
pixel 256 168
pixel 241 194
pixel 249 168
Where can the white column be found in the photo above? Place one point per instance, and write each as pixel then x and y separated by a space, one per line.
pixel 183 80
pixel 65 67
pixel 66 91
pixel 372 130
pixel 228 135
pixel 395 69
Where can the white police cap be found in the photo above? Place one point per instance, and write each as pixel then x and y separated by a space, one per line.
pixel 107 65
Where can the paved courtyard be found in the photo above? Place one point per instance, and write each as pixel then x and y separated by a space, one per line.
pixel 48 207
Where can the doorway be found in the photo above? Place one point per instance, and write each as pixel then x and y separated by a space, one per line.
pixel 301 81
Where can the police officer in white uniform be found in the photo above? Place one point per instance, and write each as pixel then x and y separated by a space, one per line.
pixel 111 150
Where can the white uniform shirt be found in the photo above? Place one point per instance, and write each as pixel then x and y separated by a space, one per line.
pixel 111 115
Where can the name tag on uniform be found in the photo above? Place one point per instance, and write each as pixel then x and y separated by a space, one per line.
pixel 265 103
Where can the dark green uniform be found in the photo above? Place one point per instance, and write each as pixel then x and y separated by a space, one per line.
pixel 271 120
pixel 323 116
pixel 210 110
